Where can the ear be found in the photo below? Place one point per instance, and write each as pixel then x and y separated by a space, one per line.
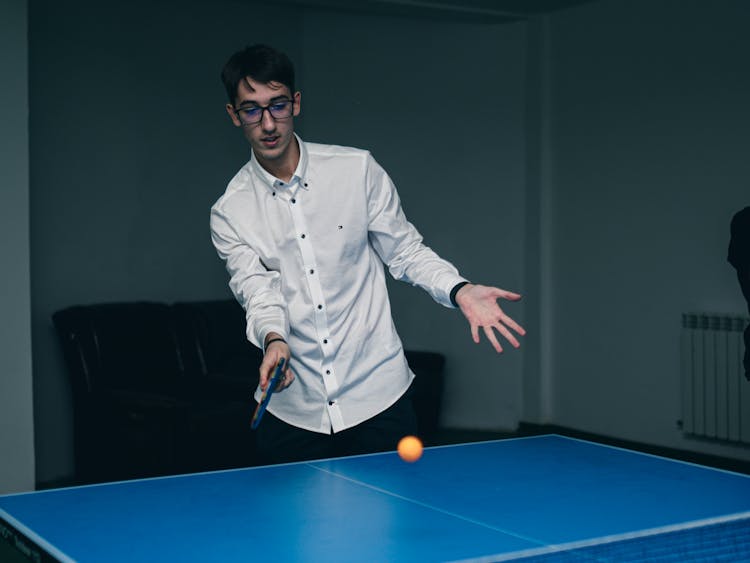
pixel 233 115
pixel 297 104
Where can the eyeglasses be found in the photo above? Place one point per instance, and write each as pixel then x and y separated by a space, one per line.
pixel 251 115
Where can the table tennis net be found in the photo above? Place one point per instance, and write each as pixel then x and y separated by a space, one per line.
pixel 720 540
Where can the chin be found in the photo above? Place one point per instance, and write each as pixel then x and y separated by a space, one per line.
pixel 265 154
pixel 270 154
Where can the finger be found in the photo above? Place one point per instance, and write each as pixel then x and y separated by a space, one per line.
pixel 513 324
pixel 507 334
pixel 263 380
pixel 475 333
pixel 266 367
pixel 491 337
pixel 287 381
pixel 509 295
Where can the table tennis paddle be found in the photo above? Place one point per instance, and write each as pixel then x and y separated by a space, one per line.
pixel 277 377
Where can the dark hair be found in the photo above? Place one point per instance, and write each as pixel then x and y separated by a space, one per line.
pixel 262 63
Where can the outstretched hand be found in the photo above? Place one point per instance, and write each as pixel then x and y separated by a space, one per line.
pixel 479 305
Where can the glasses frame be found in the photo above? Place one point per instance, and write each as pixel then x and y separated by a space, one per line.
pixel 263 109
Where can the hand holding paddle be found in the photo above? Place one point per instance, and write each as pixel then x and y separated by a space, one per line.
pixel 278 376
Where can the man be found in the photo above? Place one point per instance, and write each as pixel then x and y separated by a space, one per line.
pixel 739 257
pixel 305 230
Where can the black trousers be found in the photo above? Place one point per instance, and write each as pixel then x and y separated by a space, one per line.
pixel 279 442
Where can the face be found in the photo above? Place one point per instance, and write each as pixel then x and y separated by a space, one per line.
pixel 272 139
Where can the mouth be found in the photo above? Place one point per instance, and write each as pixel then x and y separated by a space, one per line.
pixel 270 141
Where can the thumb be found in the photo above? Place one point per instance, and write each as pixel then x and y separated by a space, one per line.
pixel 509 295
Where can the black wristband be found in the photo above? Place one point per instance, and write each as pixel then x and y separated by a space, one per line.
pixel 454 291
pixel 279 339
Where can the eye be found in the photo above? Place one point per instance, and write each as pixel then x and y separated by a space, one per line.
pixel 279 106
pixel 250 112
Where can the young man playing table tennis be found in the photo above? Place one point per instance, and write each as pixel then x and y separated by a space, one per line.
pixel 305 230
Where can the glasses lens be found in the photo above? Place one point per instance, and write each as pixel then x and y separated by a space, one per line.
pixel 280 110
pixel 250 115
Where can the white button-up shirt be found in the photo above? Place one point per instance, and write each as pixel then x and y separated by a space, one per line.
pixel 305 259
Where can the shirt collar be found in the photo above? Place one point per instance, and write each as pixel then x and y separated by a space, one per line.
pixel 300 176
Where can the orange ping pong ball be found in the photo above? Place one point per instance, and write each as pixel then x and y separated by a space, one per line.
pixel 410 448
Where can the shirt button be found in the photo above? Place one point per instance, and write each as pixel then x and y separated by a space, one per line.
pixel 302 236
pixel 325 341
pixel 320 307
pixel 330 403
pixel 328 372
pixel 294 200
pixel 312 271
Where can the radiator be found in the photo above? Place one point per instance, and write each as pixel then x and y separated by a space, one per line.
pixel 715 393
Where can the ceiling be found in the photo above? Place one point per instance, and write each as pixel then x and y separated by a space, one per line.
pixel 481 11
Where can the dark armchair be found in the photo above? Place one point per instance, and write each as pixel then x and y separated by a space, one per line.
pixel 163 389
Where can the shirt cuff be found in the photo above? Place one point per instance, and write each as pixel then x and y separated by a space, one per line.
pixel 259 335
pixel 455 290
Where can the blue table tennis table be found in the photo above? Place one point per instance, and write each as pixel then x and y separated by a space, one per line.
pixel 544 498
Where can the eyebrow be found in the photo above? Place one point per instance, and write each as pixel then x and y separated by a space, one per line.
pixel 271 101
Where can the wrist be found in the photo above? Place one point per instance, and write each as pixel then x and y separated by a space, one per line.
pixel 272 337
pixel 458 291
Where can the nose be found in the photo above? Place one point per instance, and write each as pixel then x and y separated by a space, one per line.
pixel 267 122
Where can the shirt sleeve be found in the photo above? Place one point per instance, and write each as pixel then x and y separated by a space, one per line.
pixel 257 288
pixel 398 243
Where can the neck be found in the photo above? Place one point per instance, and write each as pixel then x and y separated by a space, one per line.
pixel 283 168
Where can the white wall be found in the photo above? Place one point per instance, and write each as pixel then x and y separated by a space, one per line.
pixel 650 124
pixel 441 107
pixel 16 406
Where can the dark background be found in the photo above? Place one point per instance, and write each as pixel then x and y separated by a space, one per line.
pixel 590 158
